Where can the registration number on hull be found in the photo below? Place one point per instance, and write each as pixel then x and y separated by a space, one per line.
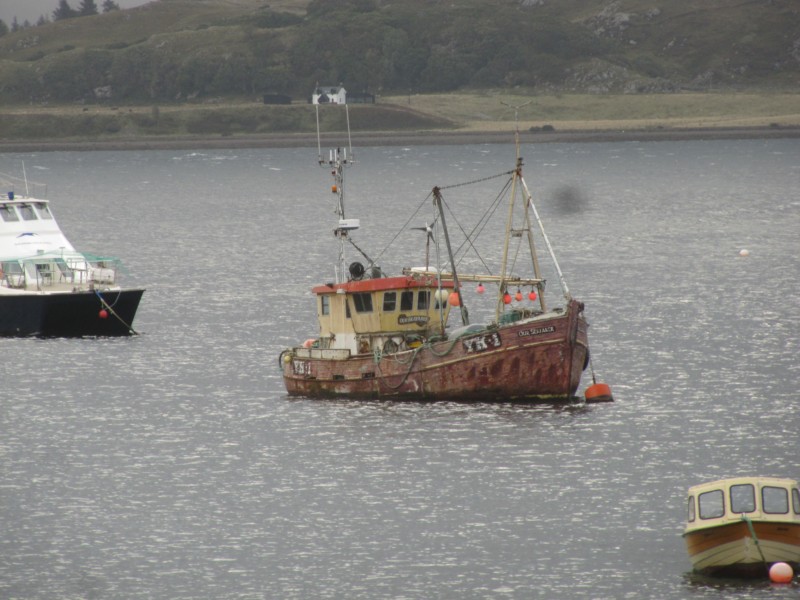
pixel 482 343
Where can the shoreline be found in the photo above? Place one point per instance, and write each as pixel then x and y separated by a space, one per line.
pixel 401 138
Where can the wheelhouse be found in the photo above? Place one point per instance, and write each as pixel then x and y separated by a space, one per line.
pixel 729 500
pixel 385 313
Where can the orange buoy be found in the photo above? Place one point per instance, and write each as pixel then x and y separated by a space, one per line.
pixel 518 296
pixel 532 296
pixel 781 572
pixel 333 189
pixel 598 392
pixel 480 289
pixel 453 299
pixel 103 314
pixel 506 298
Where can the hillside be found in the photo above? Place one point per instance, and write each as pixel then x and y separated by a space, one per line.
pixel 196 50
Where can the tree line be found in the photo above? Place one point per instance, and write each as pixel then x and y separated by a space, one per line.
pixel 62 11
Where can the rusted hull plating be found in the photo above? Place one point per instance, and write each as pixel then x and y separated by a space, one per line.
pixel 535 359
pixel 731 550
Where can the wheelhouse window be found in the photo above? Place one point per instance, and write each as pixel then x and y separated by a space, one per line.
pixel 690 510
pixel 362 302
pixel 743 498
pixel 407 301
pixel 8 213
pixel 796 501
pixel 423 300
pixel 43 210
pixel 26 210
pixel 324 305
pixel 389 301
pixel 775 500
pixel 712 504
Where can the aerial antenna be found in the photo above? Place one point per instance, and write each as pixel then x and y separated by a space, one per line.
pixel 516 119
pixel 516 111
pixel 25 177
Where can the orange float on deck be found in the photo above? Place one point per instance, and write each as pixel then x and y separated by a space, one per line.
pixel 598 392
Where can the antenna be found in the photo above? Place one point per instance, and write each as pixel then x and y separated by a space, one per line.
pixel 25 177
pixel 516 111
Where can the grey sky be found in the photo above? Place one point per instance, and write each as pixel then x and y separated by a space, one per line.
pixel 30 10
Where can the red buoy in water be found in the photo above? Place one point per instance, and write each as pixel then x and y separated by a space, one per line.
pixel 103 314
pixel 781 572
pixel 598 392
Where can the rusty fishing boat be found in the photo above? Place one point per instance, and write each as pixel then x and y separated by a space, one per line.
pixel 388 336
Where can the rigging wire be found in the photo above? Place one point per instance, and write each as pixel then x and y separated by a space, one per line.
pixel 485 218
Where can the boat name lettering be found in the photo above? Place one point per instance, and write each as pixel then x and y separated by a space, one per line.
pixel 301 367
pixel 406 319
pixel 481 343
pixel 536 331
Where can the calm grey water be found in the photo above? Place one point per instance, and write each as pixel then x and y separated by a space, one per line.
pixel 173 465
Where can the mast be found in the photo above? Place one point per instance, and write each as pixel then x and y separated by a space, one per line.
pixel 506 240
pixel 561 279
pixel 437 195
pixel 534 256
pixel 337 161
pixel 510 220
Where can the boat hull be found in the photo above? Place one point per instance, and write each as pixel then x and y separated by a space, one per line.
pixel 68 314
pixel 539 359
pixel 731 550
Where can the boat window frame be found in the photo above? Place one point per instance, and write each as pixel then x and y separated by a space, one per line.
pixel 407 300
pixel 796 500
pixel 324 304
pixel 423 300
pixel 8 214
pixel 711 515
pixel 27 212
pixel 362 302
pixel 691 512
pixel 736 501
pixel 43 210
pixel 389 301
pixel 785 498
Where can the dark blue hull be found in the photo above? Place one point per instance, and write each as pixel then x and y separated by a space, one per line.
pixel 69 314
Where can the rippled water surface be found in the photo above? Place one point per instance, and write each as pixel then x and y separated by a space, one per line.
pixel 173 465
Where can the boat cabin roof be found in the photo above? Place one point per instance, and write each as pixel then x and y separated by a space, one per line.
pixel 728 482
pixel 381 284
